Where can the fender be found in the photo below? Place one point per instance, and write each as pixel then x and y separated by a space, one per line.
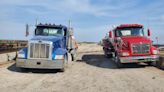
pixel 23 51
pixel 58 51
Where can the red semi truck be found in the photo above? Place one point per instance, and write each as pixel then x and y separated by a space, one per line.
pixel 127 43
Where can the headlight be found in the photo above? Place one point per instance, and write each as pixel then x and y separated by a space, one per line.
pixel 59 57
pixel 21 54
pixel 155 52
pixel 124 54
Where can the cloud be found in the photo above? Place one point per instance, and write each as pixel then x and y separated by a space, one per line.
pixel 93 33
pixel 10 30
pixel 73 6
pixel 107 8
pixel 162 17
pixel 64 6
pixel 90 17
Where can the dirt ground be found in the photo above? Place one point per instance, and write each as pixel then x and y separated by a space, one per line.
pixel 91 73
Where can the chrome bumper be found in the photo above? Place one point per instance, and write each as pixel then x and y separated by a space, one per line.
pixel 40 64
pixel 136 59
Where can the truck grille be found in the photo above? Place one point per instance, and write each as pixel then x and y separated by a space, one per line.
pixel 141 48
pixel 39 50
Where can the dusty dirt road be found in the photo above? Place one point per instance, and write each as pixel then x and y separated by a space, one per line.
pixel 91 73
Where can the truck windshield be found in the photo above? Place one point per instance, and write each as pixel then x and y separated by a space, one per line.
pixel 49 31
pixel 129 32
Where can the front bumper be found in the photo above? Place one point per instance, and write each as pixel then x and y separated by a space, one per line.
pixel 40 64
pixel 137 59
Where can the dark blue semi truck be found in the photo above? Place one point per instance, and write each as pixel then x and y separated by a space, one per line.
pixel 50 48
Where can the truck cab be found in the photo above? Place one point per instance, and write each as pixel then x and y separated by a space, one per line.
pixel 50 48
pixel 128 43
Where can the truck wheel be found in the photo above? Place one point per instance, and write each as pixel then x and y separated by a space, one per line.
pixel 109 55
pixel 159 63
pixel 23 69
pixel 105 52
pixel 73 57
pixel 65 63
pixel 118 63
pixel 62 70
pixel 69 57
pixel 149 63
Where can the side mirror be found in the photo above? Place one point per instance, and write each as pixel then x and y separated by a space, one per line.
pixel 148 32
pixel 27 30
pixel 110 34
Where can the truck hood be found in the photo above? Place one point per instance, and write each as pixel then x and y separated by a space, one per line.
pixel 136 39
pixel 48 38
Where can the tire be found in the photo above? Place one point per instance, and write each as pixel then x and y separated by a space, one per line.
pixel 65 63
pixel 23 69
pixel 117 61
pixel 149 63
pixel 69 57
pixel 62 70
pixel 105 53
pixel 119 64
pixel 74 56
pixel 158 64
pixel 109 55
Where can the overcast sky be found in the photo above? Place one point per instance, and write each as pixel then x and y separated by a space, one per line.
pixel 91 19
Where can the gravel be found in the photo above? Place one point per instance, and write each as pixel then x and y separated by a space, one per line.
pixel 91 73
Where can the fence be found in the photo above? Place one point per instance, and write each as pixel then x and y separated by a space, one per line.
pixel 8 45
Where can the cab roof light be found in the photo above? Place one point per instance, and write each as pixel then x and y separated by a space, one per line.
pixel 129 25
